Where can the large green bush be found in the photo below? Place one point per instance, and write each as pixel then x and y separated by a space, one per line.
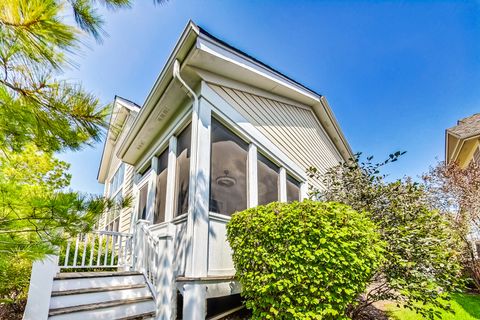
pixel 303 260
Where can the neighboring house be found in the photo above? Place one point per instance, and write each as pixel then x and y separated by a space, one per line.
pixel 462 141
pixel 219 132
pixel 462 145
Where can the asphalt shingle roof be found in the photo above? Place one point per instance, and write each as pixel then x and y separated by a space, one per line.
pixel 467 127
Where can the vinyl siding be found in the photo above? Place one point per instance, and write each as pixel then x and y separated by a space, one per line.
pixel 294 129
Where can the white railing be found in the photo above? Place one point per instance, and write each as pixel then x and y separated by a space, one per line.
pixel 98 249
pixel 150 257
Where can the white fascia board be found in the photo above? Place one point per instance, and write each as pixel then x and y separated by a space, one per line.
pixel 343 143
pixel 216 49
pixel 109 144
pixel 183 46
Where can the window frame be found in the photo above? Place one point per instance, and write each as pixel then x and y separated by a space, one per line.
pixel 260 149
pixel 110 222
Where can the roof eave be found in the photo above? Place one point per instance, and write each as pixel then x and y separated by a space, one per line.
pixel 182 47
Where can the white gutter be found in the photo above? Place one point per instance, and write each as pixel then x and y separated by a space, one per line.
pixel 193 169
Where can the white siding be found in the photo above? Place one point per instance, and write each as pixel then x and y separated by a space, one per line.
pixel 294 129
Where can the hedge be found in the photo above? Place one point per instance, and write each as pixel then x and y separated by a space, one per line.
pixel 303 260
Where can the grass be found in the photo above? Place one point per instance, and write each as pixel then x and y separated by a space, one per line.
pixel 466 307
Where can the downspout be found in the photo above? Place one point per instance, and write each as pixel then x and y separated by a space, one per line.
pixel 193 189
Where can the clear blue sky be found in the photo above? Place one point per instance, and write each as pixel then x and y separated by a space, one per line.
pixel 396 74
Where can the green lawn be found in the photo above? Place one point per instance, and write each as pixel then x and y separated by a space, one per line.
pixel 466 306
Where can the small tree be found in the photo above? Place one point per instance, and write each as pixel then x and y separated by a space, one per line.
pixel 456 193
pixel 303 260
pixel 422 254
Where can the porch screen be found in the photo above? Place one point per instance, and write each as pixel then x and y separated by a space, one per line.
pixel 293 189
pixel 142 202
pixel 228 171
pixel 160 194
pixel 268 179
pixel 183 170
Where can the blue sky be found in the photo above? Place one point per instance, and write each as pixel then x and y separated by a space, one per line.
pixel 396 74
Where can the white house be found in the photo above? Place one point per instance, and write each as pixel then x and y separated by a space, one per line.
pixel 219 132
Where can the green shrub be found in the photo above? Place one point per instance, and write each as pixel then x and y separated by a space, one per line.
pixel 303 260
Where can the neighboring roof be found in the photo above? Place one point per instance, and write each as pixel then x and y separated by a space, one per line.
pixel 467 127
pixel 127 102
pixel 118 102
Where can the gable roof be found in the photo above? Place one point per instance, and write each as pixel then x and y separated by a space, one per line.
pixel 456 137
pixel 466 127
pixel 220 41
pixel 115 129
pixel 199 50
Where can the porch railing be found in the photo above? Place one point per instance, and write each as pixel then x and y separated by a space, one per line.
pixel 96 250
pixel 150 255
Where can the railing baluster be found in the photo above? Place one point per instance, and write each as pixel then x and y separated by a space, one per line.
pixel 67 254
pixel 119 255
pixel 106 251
pixel 76 252
pixel 85 243
pixel 112 256
pixel 100 243
pixel 92 249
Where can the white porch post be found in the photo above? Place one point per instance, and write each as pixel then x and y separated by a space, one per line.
pixel 283 185
pixel 252 178
pixel 304 191
pixel 171 178
pixel 40 290
pixel 152 189
pixel 194 295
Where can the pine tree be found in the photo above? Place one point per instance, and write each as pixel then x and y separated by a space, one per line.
pixel 42 113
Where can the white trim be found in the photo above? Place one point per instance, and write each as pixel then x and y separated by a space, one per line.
pixel 171 179
pixel 248 132
pixel 218 80
pixel 177 125
pixel 252 177
pixel 216 49
pixel 199 192
pixel 40 289
pixel 282 187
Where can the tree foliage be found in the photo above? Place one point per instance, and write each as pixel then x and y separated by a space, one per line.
pixel 303 260
pixel 455 191
pixel 422 254
pixel 42 113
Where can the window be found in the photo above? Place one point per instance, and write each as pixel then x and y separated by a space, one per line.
pixel 116 182
pixel 228 171
pixel 293 189
pixel 268 179
pixel 112 219
pixel 142 202
pixel 161 192
pixel 183 169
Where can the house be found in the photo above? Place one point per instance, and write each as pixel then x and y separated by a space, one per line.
pixel 462 142
pixel 219 132
pixel 462 145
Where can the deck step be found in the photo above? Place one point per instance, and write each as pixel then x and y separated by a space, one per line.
pixel 99 289
pixel 96 306
pixel 100 274
pixel 146 315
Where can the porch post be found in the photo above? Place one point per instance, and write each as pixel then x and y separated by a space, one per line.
pixel 40 290
pixel 194 307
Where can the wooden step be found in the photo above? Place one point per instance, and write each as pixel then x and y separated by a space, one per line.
pixel 100 289
pixel 81 275
pixel 145 315
pixel 95 306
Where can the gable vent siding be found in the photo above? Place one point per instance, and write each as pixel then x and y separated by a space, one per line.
pixel 293 129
